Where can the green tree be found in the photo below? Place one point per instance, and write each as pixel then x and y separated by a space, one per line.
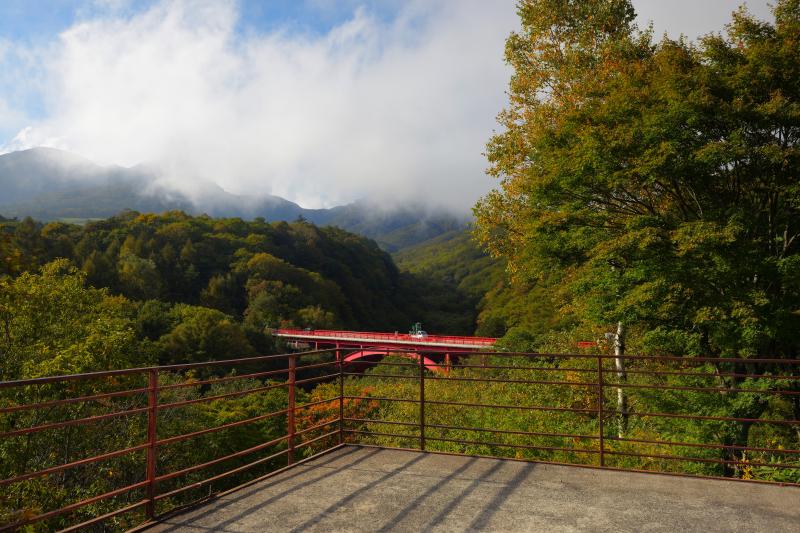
pixel 315 317
pixel 139 277
pixel 655 185
pixel 203 334
pixel 51 323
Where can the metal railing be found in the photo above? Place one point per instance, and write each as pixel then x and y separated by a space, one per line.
pixel 603 449
pixel 154 391
pixel 599 415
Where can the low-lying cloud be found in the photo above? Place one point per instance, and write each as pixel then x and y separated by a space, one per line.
pixel 395 110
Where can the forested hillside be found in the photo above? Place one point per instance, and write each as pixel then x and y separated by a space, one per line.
pixel 520 311
pixel 182 273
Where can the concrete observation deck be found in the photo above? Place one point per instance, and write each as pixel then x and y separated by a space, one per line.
pixel 370 489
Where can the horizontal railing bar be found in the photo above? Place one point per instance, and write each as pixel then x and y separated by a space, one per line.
pixel 316 365
pixel 631 371
pixel 379 398
pixel 72 507
pixel 385 363
pixel 319 402
pixel 704 417
pixel 372 420
pixel 145 369
pixel 690 359
pixel 81 399
pixel 754 360
pixel 66 466
pixel 402 376
pixel 77 421
pixel 219 396
pixel 523 407
pixel 524 381
pixel 504 445
pixel 244 376
pixel 316 379
pixel 318 426
pixel 379 433
pixel 206 481
pixel 218 460
pixel 72 377
pixel 770 377
pixel 101 518
pixel 698 389
pixel 593 370
pixel 316 439
pixel 699 459
pixel 705 446
pixel 185 436
pixel 511 367
pixel 222 380
pixel 241 360
pixel 511 432
pixel 238 393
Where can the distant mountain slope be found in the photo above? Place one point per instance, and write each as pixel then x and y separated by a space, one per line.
pixel 393 230
pixel 454 258
pixel 48 184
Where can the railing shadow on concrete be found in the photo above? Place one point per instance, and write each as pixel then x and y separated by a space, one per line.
pixel 595 374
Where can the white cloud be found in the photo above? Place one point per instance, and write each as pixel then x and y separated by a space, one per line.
pixel 399 110
pixel 693 18
pixel 396 110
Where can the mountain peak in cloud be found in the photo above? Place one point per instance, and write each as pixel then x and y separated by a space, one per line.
pixel 400 108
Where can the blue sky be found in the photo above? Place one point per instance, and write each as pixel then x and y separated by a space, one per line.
pixel 34 20
pixel 38 22
pixel 317 101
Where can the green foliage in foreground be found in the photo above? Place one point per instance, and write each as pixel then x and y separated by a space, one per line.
pixel 51 324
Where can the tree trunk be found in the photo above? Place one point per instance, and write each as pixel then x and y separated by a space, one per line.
pixel 622 377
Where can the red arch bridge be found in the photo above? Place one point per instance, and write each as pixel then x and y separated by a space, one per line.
pixel 436 350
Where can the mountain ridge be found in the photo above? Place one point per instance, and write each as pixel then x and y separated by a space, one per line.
pixel 49 184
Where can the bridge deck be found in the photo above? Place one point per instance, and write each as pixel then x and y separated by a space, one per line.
pixel 371 489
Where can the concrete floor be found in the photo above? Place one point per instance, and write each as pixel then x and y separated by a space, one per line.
pixel 371 489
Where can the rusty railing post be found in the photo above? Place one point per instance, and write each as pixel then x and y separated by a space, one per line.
pixel 600 415
pixel 290 411
pixel 421 402
pixel 152 416
pixel 341 394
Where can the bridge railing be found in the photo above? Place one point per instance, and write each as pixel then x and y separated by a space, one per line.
pixel 388 337
pixel 172 435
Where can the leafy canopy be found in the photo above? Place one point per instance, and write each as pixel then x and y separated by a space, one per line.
pixel 655 184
